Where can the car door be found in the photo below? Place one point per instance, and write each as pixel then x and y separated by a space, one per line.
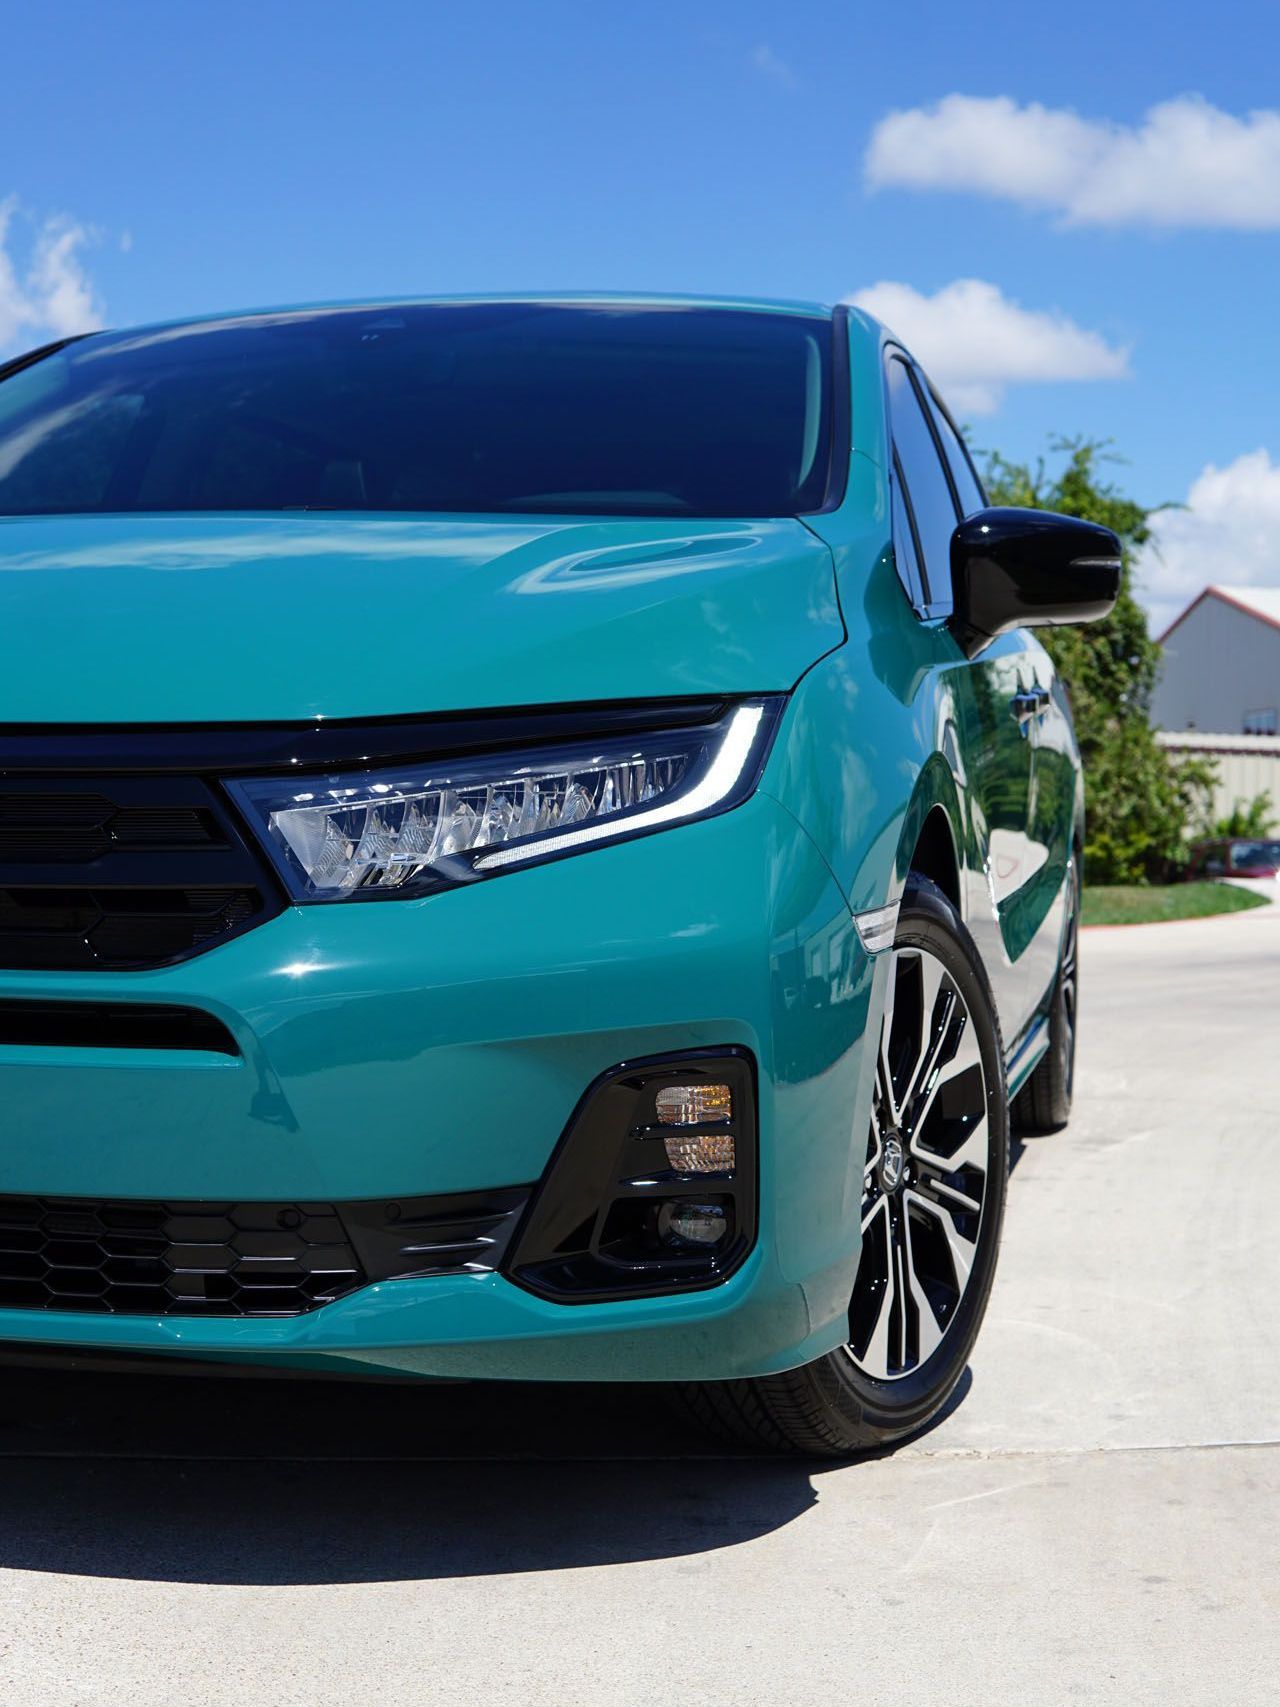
pixel 1214 861
pixel 1029 870
pixel 1029 866
pixel 994 695
pixel 1051 820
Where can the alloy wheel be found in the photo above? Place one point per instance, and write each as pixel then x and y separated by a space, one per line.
pixel 925 1177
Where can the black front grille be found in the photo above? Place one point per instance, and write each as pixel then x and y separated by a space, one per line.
pixel 121 872
pixel 80 929
pixel 79 825
pixel 131 1258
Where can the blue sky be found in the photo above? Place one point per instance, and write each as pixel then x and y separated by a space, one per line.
pixel 163 160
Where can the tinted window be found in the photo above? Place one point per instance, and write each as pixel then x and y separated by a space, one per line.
pixel 904 549
pixel 482 407
pixel 965 480
pixel 927 488
pixel 1255 856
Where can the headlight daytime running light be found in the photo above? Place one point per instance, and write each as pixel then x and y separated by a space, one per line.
pixel 424 825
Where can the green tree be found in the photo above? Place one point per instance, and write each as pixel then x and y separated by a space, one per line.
pixel 1246 818
pixel 1139 799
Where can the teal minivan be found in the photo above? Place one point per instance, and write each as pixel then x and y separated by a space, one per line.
pixel 535 843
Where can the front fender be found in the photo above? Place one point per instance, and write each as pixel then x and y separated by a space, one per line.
pixel 870 743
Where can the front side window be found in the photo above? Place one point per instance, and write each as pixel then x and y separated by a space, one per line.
pixel 479 407
pixel 905 556
pixel 928 491
pixel 968 490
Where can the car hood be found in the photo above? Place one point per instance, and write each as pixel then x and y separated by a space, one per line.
pixel 170 619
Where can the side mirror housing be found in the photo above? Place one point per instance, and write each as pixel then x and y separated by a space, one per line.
pixel 1029 569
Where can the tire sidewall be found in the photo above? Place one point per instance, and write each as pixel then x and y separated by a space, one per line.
pixel 928 920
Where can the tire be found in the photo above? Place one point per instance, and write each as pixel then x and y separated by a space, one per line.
pixel 1043 1105
pixel 940 1098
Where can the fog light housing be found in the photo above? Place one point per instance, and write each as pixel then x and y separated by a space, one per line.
pixel 699 1224
pixel 637 1200
pixel 707 1153
pixel 694 1105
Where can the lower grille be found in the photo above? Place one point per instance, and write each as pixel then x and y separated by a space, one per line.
pixel 168 1259
pixel 112 1025
pixel 134 1258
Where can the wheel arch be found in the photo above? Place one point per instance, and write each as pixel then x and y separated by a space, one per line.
pixel 930 842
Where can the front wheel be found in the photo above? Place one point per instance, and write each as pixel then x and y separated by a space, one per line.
pixel 933 1193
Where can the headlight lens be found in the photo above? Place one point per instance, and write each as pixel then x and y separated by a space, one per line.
pixel 423 825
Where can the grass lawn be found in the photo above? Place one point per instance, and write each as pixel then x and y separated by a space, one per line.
pixel 1131 904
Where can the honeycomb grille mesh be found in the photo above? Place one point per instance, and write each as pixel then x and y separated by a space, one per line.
pixel 173 1259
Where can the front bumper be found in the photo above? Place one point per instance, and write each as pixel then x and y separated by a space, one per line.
pixel 409 1048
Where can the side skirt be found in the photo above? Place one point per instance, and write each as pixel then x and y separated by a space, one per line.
pixel 1027 1053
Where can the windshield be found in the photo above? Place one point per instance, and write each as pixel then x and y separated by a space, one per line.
pixel 1254 856
pixel 674 411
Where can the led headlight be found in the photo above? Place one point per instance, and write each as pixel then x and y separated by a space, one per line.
pixel 422 825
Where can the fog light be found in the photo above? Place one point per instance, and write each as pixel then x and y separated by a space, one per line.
pixel 634 1206
pixel 711 1153
pixel 692 1223
pixel 694 1105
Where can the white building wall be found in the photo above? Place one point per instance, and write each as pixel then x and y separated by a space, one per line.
pixel 1248 765
pixel 1220 664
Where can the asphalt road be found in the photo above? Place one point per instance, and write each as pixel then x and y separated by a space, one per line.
pixel 1094 1521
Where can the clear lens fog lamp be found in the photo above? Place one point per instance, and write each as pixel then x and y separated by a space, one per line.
pixel 697 1105
pixel 694 1105
pixel 712 1153
pixel 700 1224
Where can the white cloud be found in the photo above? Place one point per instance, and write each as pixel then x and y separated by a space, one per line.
pixel 47 294
pixel 973 340
pixel 1228 533
pixel 770 65
pixel 1187 163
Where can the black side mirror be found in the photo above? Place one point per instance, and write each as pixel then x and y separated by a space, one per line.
pixel 1029 569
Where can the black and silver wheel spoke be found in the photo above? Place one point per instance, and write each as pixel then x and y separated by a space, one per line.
pixel 948 1217
pixel 924 1179
pixel 929 1329
pixel 885 1089
pixel 937 1003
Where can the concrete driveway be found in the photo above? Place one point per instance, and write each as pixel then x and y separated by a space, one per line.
pixel 1098 1518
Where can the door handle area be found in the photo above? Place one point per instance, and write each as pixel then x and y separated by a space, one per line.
pixel 1031 703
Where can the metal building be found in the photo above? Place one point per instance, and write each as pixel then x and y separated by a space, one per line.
pixel 1221 668
pixel 1247 765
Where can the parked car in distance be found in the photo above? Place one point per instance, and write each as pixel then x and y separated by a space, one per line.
pixel 536 841
pixel 1235 856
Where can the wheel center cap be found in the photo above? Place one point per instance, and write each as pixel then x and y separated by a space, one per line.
pixel 893 1160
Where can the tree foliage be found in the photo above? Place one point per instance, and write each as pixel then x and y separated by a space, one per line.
pixel 1246 818
pixel 1139 799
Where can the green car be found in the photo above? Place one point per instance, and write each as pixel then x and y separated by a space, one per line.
pixel 535 843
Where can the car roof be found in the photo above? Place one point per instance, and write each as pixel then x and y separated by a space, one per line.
pixel 582 299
